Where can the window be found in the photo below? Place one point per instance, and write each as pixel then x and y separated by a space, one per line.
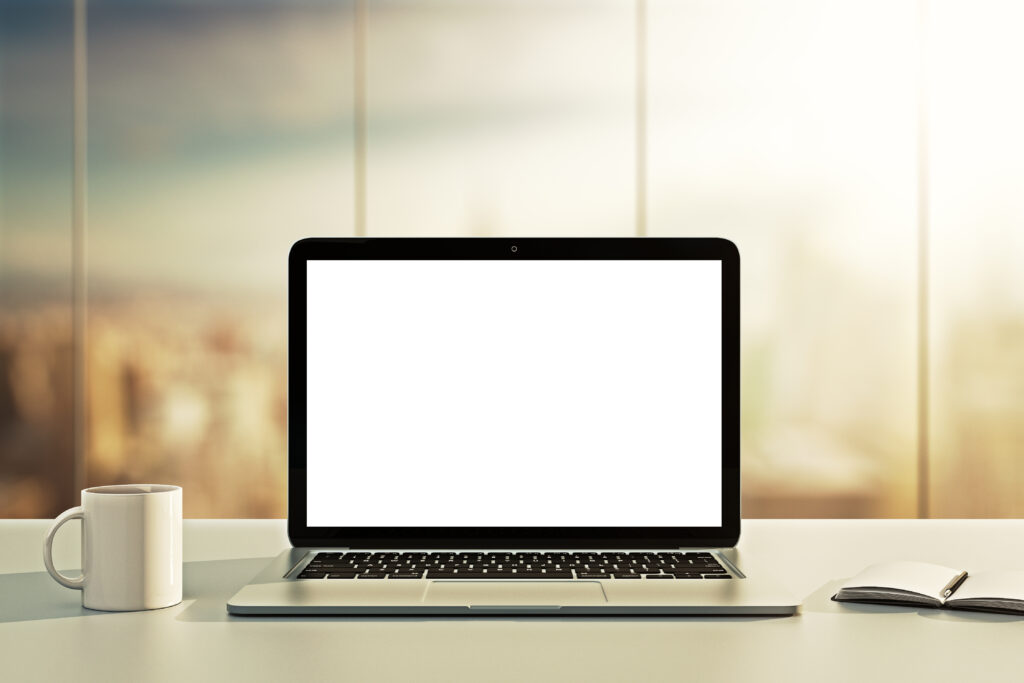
pixel 812 134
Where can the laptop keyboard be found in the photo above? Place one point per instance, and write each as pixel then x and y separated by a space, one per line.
pixel 420 565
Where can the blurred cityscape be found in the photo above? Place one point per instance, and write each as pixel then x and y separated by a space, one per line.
pixel 36 436
pixel 221 132
pixel 179 391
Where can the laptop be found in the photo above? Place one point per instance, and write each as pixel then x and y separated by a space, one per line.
pixel 512 426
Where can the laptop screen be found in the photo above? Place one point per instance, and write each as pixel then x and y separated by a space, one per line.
pixel 513 393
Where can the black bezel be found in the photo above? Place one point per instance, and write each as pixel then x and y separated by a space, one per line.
pixel 455 248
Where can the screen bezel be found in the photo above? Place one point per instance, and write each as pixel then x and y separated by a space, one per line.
pixel 493 248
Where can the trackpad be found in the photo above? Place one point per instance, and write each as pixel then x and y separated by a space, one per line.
pixel 515 593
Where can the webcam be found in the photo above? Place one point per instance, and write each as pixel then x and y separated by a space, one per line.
pixel 514 248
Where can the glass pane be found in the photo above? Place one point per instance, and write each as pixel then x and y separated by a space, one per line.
pixel 220 133
pixel 790 128
pixel 977 283
pixel 501 117
pixel 36 444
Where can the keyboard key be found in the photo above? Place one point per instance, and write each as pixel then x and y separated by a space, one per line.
pixel 563 574
pixel 342 575
pixel 658 576
pixel 717 576
pixel 502 575
pixel 533 574
pixel 626 576
pixel 406 575
pixel 307 574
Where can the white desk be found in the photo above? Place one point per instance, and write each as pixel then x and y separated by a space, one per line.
pixel 45 634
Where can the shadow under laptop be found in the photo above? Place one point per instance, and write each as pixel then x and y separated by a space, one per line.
pixel 209 585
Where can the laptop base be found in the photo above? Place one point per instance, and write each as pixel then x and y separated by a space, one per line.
pixel 270 594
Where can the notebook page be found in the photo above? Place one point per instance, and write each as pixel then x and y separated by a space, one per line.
pixel 1002 584
pixel 915 577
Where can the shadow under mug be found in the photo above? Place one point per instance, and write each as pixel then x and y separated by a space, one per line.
pixel 131 547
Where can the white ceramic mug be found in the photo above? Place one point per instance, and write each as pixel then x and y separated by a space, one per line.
pixel 131 547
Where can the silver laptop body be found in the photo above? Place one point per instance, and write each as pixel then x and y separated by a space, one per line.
pixel 513 426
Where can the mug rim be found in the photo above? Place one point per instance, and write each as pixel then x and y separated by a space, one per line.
pixel 131 489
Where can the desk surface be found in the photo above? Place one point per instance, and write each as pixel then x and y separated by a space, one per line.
pixel 45 634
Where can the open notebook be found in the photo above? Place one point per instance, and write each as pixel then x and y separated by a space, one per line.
pixel 932 585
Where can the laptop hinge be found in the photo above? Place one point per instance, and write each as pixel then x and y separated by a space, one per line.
pixel 729 564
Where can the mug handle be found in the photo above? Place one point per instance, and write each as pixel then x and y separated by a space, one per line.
pixel 78 582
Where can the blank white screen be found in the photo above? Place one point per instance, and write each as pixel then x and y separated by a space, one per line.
pixel 514 393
